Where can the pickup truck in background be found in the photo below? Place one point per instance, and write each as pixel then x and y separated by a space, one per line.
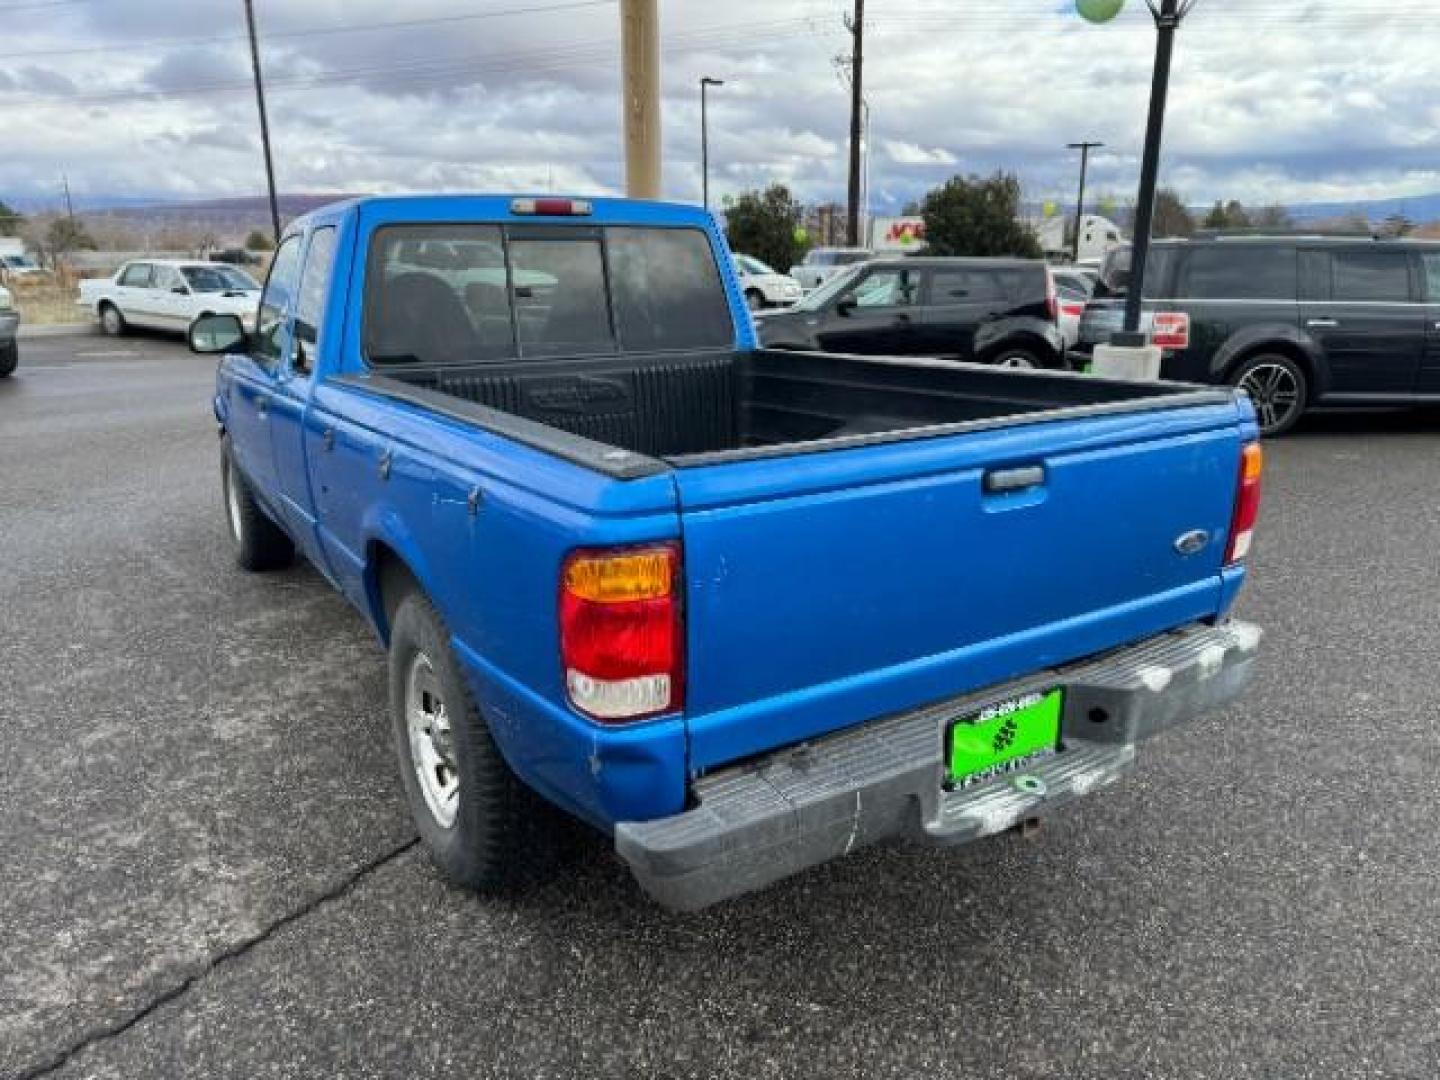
pixel 744 610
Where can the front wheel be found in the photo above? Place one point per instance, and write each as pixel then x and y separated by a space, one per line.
pixel 754 299
pixel 9 359
pixel 1278 387
pixel 1022 359
pixel 260 544
pixel 465 801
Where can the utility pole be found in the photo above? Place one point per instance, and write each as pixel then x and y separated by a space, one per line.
pixel 705 82
pixel 69 206
pixel 264 122
pixel 640 55
pixel 856 26
pixel 1084 148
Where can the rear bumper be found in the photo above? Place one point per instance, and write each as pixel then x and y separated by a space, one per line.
pixel 757 823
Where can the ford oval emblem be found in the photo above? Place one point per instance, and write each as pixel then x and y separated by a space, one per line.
pixel 1192 542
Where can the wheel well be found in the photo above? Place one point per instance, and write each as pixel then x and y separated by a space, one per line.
pixel 103 304
pixel 390 580
pixel 1281 348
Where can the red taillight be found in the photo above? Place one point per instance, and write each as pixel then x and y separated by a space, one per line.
pixel 551 207
pixel 1074 311
pixel 1052 299
pixel 1247 504
pixel 620 632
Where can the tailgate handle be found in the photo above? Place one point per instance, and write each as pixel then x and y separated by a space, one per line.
pixel 1001 481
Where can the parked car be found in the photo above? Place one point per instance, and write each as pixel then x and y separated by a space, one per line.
pixel 997 311
pixel 1072 289
pixel 14 267
pixel 764 287
pixel 746 611
pixel 9 332
pixel 164 294
pixel 1295 321
pixel 820 264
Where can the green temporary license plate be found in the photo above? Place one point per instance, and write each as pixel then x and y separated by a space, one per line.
pixel 1004 736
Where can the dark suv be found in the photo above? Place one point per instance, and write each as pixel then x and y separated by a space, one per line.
pixel 1294 320
pixel 999 311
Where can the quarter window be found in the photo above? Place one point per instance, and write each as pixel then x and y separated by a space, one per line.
pixel 950 287
pixel 1370 275
pixel 1239 272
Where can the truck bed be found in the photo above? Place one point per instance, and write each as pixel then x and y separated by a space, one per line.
pixel 709 408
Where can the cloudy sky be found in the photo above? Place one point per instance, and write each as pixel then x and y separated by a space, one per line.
pixel 1272 100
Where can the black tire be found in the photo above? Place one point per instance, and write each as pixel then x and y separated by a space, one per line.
pixel 260 544
pixel 1278 387
pixel 754 299
pixel 482 845
pixel 9 359
pixel 112 321
pixel 1017 356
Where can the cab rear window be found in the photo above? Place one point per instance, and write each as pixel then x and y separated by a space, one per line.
pixel 472 293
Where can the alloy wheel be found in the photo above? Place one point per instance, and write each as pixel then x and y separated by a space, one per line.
pixel 1275 391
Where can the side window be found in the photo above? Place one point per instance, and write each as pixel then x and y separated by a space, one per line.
pixel 1239 272
pixel 886 288
pixel 276 301
pixel 314 288
pixel 949 287
pixel 1432 275
pixel 166 277
pixel 1370 275
pixel 136 276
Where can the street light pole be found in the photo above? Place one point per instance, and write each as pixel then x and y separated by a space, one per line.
pixel 1167 21
pixel 1084 148
pixel 705 83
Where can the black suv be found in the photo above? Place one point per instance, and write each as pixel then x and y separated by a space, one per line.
pixel 999 311
pixel 1294 320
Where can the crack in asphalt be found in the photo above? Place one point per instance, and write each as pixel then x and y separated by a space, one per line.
pixel 114 1029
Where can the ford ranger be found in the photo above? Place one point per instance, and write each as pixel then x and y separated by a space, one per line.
pixel 743 610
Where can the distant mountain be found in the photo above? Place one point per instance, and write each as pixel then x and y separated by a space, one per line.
pixel 1418 208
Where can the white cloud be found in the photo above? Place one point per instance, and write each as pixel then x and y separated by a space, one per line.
pixel 909 153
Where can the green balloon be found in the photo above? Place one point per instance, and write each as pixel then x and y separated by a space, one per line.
pixel 1098 11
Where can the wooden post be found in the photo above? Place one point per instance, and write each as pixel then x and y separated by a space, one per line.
pixel 640 54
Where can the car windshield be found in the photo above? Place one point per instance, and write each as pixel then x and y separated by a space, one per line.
pixel 829 290
pixel 219 279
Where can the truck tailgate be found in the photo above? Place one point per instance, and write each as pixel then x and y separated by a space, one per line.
pixel 825 589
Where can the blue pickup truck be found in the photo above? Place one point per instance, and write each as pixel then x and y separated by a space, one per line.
pixel 744 610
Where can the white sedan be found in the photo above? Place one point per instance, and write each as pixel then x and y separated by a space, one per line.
pixel 164 294
pixel 765 287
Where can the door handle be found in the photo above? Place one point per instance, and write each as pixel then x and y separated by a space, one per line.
pixel 262 407
pixel 1322 324
pixel 1004 481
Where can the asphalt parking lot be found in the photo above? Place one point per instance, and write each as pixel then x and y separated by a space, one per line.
pixel 208 869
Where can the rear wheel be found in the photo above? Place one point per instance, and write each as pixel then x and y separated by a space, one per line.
pixel 754 299
pixel 1014 357
pixel 466 803
pixel 1277 386
pixel 9 358
pixel 260 544
pixel 111 321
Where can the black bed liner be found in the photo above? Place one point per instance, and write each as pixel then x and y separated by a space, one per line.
pixel 639 415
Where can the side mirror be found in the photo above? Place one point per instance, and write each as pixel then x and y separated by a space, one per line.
pixel 845 306
pixel 216 333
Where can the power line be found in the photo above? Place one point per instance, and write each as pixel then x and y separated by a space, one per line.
pixel 399 24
